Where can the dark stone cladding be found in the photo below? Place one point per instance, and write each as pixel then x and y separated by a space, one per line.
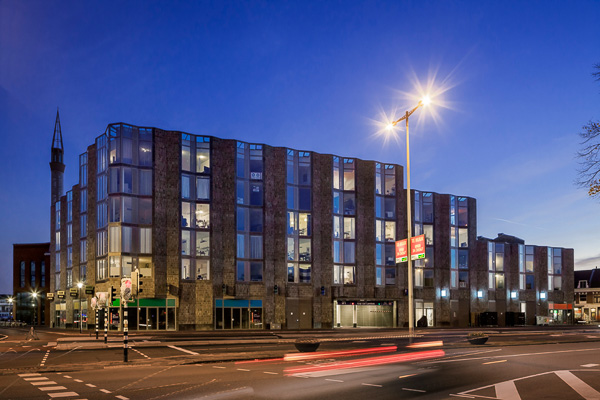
pixel 322 266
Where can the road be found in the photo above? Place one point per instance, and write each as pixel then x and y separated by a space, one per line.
pixel 378 365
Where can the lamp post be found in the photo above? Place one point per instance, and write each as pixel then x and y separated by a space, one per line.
pixel 80 285
pixel 34 296
pixel 11 302
pixel 411 312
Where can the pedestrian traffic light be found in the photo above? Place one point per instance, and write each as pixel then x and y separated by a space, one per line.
pixel 275 289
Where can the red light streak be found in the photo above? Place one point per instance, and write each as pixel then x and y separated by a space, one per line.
pixel 396 358
pixel 334 354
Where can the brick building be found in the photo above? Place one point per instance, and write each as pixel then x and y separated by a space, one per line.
pixel 31 282
pixel 235 235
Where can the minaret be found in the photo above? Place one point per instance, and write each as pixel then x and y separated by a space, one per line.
pixel 56 162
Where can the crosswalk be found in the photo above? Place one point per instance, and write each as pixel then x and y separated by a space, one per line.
pixel 44 384
pixel 55 390
pixel 581 383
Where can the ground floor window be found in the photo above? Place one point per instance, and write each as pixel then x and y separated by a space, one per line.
pixel 238 314
pixel 364 313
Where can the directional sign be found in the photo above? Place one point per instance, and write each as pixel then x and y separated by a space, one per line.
pixel 417 247
pixel 73 292
pixel 401 251
pixel 89 290
pixel 50 296
pixel 60 294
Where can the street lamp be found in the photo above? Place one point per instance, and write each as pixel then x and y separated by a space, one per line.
pixel 11 301
pixel 411 312
pixel 80 285
pixel 34 295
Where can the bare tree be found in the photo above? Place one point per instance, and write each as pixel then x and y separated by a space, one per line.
pixel 589 155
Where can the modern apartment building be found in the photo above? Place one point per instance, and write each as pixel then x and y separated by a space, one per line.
pixel 235 235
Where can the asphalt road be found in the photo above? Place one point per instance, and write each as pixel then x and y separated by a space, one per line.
pixel 562 365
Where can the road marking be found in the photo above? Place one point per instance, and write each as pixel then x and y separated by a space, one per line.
pixel 414 390
pixel 334 380
pixel 43 383
pixel 216 366
pixel 78 380
pixel 139 352
pixel 406 376
pixel 25 375
pixel 105 391
pixel 63 394
pixel 41 378
pixel 242 369
pixel 45 358
pixel 90 385
pixel 371 384
pixel 584 390
pixel 507 391
pixel 184 350
pixel 589 365
pixel 271 373
pixel 511 356
pixel 68 377
pixel 494 362
pixel 122 397
pixel 53 388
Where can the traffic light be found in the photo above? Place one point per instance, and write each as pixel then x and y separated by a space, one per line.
pixel 275 289
pixel 112 295
pixel 140 289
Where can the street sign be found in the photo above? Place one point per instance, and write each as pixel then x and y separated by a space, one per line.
pixel 73 292
pixel 101 296
pixel 401 251
pixel 50 296
pixel 89 290
pixel 60 294
pixel 125 289
pixel 417 247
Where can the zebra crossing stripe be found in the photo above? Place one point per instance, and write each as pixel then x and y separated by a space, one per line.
pixel 584 390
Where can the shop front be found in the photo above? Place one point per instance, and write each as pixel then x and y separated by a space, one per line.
pixel 364 313
pixel 238 314
pixel 142 314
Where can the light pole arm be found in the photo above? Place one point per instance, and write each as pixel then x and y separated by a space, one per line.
pixel 408 114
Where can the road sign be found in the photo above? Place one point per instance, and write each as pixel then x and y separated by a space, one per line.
pixel 102 297
pixel 60 294
pixel 125 289
pixel 73 292
pixel 401 251
pixel 89 290
pixel 50 296
pixel 417 247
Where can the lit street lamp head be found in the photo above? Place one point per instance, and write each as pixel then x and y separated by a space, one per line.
pixel 34 294
pixel 79 285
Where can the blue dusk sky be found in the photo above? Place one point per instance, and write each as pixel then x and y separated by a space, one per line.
pixel 512 84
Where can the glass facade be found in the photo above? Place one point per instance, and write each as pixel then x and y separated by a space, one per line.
pixel 423 224
pixel 249 212
pixel 385 224
pixel 344 221
pixel 195 207
pixel 299 216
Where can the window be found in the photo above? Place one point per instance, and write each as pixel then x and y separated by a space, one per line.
pixel 22 275
pixel 495 265
pixel 249 213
